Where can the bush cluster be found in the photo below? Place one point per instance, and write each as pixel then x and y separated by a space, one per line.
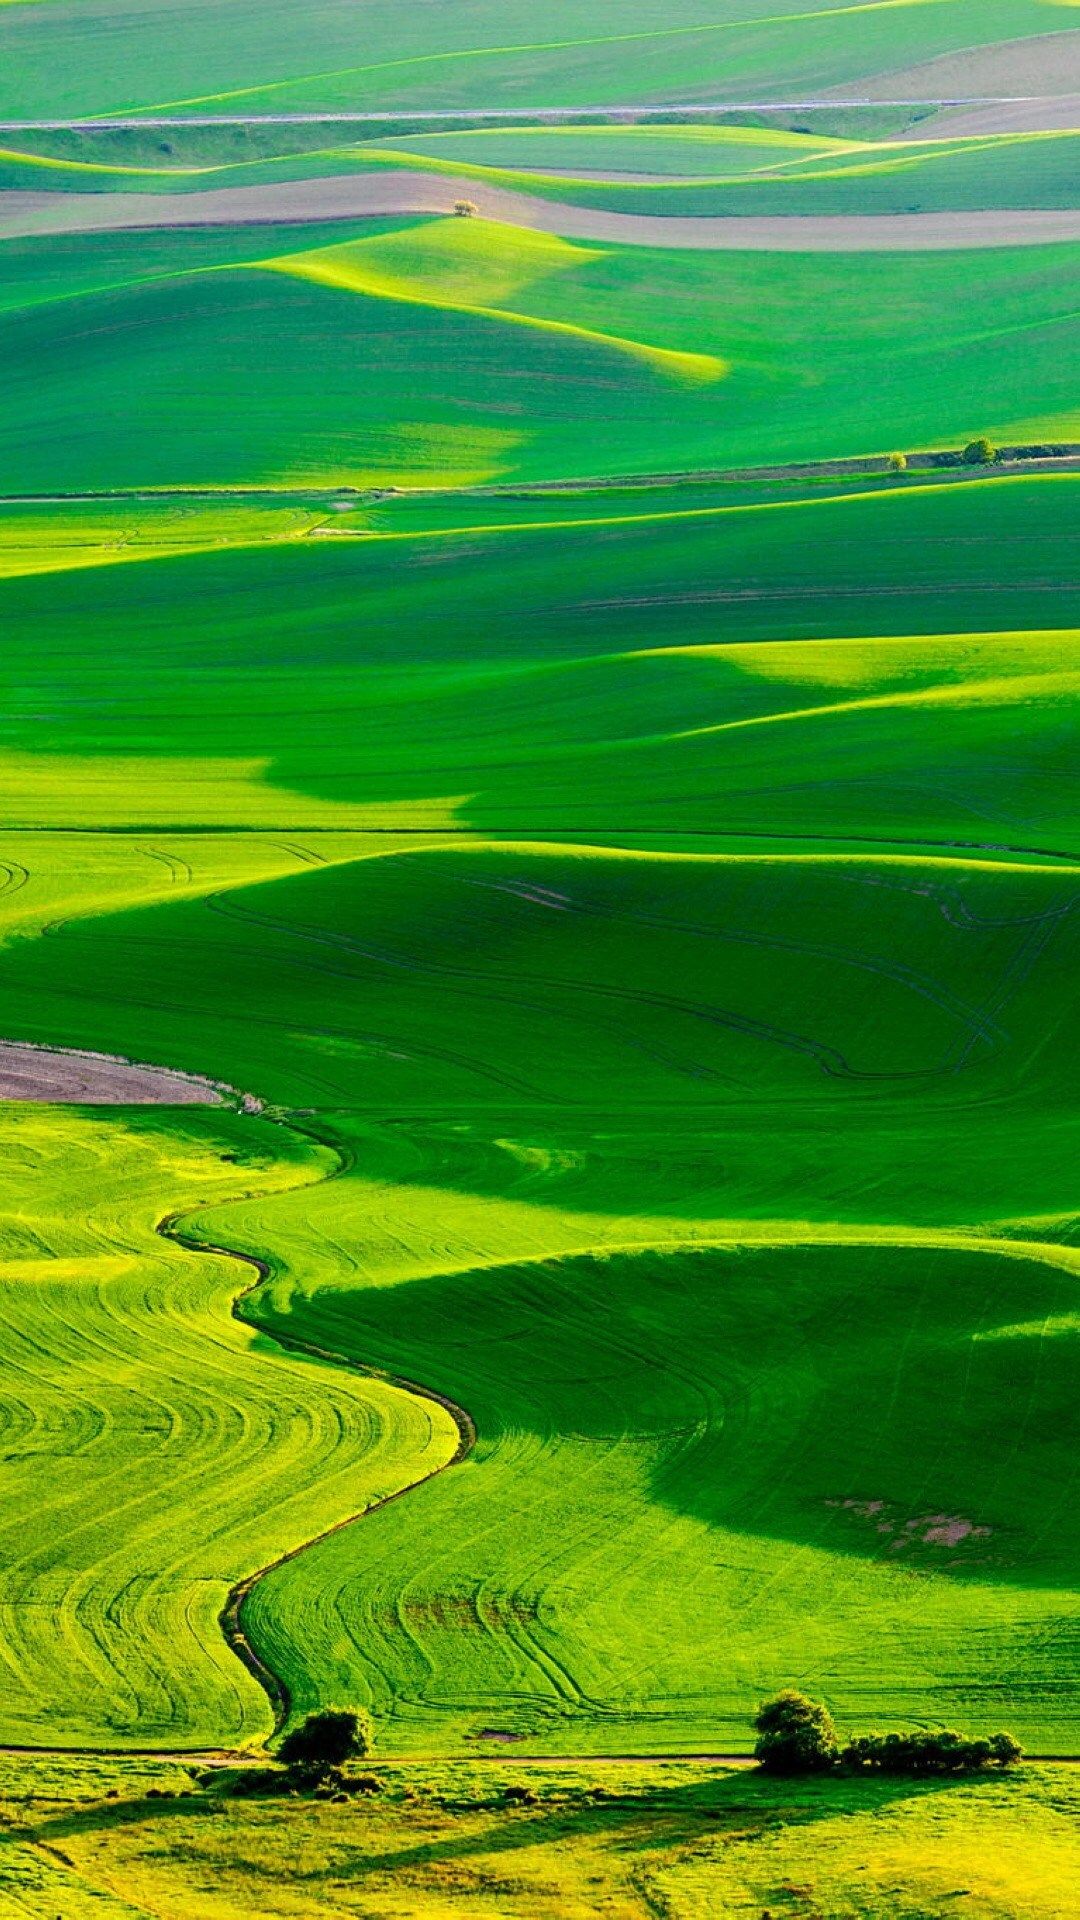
pixel 982 453
pixel 796 1736
pixel 928 1753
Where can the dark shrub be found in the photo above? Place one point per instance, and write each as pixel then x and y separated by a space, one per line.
pixel 979 453
pixel 928 1753
pixel 324 1741
pixel 253 1781
pixel 795 1735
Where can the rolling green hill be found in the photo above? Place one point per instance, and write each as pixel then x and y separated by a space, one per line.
pixel 450 352
pixel 671 170
pixel 73 60
pixel 686 1355
pixel 618 865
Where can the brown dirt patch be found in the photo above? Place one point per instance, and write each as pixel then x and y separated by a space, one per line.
pixel 1045 63
pixel 69 1076
pixel 1003 116
pixel 356 196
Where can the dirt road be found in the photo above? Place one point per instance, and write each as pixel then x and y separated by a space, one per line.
pixel 360 195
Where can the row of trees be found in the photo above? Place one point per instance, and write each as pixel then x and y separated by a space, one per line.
pixel 977 453
pixel 797 1735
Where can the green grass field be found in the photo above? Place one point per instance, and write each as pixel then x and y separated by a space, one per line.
pixel 621 873
pixel 670 170
pixel 845 989
pixel 326 352
pixel 94 1838
pixel 102 59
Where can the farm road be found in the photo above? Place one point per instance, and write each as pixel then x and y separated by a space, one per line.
pixel 403 191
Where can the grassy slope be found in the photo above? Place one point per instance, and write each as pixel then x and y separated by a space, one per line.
pixel 1036 170
pixel 158 1452
pixel 859 1052
pixel 454 351
pixel 70 60
pixel 713 170
pixel 621 1841
pixel 722 1190
pixel 691 1436
pixel 606 702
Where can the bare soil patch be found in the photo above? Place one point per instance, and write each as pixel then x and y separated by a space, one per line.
pixel 1047 115
pixel 1046 63
pixel 71 1076
pixel 356 196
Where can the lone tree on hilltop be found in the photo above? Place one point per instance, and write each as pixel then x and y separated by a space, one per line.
pixel 795 1735
pixel 979 453
pixel 465 209
pixel 323 1742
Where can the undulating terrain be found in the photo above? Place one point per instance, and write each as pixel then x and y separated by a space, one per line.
pixel 593 842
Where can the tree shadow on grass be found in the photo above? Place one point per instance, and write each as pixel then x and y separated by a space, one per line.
pixel 739 1806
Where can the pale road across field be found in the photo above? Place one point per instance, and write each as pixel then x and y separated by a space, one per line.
pixel 955 115
pixel 102 123
pixel 24 214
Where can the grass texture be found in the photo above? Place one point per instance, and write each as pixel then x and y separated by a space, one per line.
pixel 647 915
pixel 99 59
pixel 452 352
pixel 89 1838
pixel 670 170
pixel 158 1452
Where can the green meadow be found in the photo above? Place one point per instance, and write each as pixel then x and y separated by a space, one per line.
pixel 96 1837
pixel 617 865
pixel 671 170
pixel 326 353
pixel 675 1019
pixel 99 58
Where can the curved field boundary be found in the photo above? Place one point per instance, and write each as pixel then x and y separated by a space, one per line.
pixel 231 1617
pixel 406 192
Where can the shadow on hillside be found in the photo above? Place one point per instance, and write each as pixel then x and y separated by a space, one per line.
pixel 744 1807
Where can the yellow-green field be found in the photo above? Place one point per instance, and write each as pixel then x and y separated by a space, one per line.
pixel 102 1838
pixel 484 700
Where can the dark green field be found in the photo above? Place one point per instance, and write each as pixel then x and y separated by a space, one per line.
pixel 603 834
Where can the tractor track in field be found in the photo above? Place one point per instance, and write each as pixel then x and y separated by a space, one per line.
pixel 108 1079
pixel 171 1228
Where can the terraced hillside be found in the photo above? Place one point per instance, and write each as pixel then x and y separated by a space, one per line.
pixel 599 838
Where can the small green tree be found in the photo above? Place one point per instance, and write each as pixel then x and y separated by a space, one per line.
pixel 896 463
pixel 795 1735
pixel 979 453
pixel 323 1742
